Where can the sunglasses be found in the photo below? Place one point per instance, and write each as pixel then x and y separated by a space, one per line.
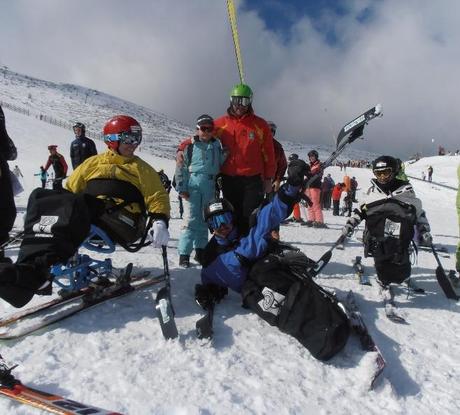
pixel 222 219
pixel 205 128
pixel 125 138
pixel 241 101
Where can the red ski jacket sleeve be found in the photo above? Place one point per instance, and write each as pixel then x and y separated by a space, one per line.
pixel 280 160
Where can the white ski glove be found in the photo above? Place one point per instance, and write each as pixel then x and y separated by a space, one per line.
pixel 159 234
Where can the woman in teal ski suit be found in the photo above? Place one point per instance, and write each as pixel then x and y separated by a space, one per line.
pixel 196 173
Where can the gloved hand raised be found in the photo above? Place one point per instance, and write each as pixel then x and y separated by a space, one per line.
pixel 159 234
pixel 297 170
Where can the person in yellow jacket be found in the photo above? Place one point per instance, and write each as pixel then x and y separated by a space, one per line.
pixel 113 174
pixel 114 190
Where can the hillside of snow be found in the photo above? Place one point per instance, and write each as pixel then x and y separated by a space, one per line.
pixel 114 356
pixel 70 103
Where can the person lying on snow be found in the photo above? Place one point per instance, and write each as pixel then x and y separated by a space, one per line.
pixel 114 190
pixel 392 213
pixel 272 278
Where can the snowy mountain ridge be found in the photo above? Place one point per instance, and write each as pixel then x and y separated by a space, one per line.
pixel 71 103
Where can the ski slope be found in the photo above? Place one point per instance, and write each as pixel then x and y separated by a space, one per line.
pixel 114 355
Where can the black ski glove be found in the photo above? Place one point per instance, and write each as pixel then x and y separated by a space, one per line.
pixel 297 170
pixel 206 294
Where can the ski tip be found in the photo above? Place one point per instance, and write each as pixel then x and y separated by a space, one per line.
pixel 378 110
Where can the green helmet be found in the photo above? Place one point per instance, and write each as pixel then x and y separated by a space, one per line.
pixel 241 90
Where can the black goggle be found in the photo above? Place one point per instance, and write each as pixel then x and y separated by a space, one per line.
pixel 240 101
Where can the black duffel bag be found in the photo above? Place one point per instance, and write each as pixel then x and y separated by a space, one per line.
pixel 280 291
pixel 56 223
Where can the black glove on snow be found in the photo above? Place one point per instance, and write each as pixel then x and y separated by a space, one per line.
pixel 297 170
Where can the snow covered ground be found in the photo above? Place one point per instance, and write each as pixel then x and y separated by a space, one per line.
pixel 114 355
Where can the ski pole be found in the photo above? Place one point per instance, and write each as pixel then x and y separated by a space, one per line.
pixel 323 261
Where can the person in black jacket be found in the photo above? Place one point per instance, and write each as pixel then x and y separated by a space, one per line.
pixel 7 206
pixel 82 147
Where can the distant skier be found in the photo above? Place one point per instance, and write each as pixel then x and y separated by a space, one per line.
pixel 314 211
pixel 17 171
pixel 336 195
pixel 391 212
pixel 59 166
pixel 430 173
pixel 82 147
pixel 354 188
pixel 43 176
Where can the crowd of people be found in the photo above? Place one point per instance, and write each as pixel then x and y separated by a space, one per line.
pixel 229 176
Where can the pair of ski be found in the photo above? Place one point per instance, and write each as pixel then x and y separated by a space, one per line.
pixel 360 329
pixel 12 388
pixel 35 318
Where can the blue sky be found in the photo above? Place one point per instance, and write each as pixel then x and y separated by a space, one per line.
pixel 279 16
pixel 313 65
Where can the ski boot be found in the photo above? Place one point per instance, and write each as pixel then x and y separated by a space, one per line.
pixel 6 378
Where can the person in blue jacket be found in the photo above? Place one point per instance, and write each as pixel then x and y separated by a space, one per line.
pixel 227 259
pixel 203 155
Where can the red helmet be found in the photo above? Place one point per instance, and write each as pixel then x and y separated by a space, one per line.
pixel 52 147
pixel 122 128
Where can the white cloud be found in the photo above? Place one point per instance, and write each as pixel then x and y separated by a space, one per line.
pixel 177 57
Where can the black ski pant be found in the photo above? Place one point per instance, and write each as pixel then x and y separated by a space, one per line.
pixel 7 205
pixel 245 193
pixel 335 208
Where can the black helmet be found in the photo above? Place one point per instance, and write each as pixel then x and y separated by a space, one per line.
pixel 387 164
pixel 79 125
pixel 217 207
pixel 313 153
pixel 293 156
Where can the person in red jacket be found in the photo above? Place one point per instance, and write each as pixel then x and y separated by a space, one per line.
pixel 250 167
pixel 280 158
pixel 59 165
pixel 281 166
pixel 336 194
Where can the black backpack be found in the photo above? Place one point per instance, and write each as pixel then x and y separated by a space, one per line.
pixel 279 290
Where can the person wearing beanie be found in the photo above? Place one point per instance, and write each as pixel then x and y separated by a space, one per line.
pixel 199 161
pixel 82 147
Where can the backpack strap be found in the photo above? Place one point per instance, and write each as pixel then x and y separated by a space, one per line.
pixel 115 188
